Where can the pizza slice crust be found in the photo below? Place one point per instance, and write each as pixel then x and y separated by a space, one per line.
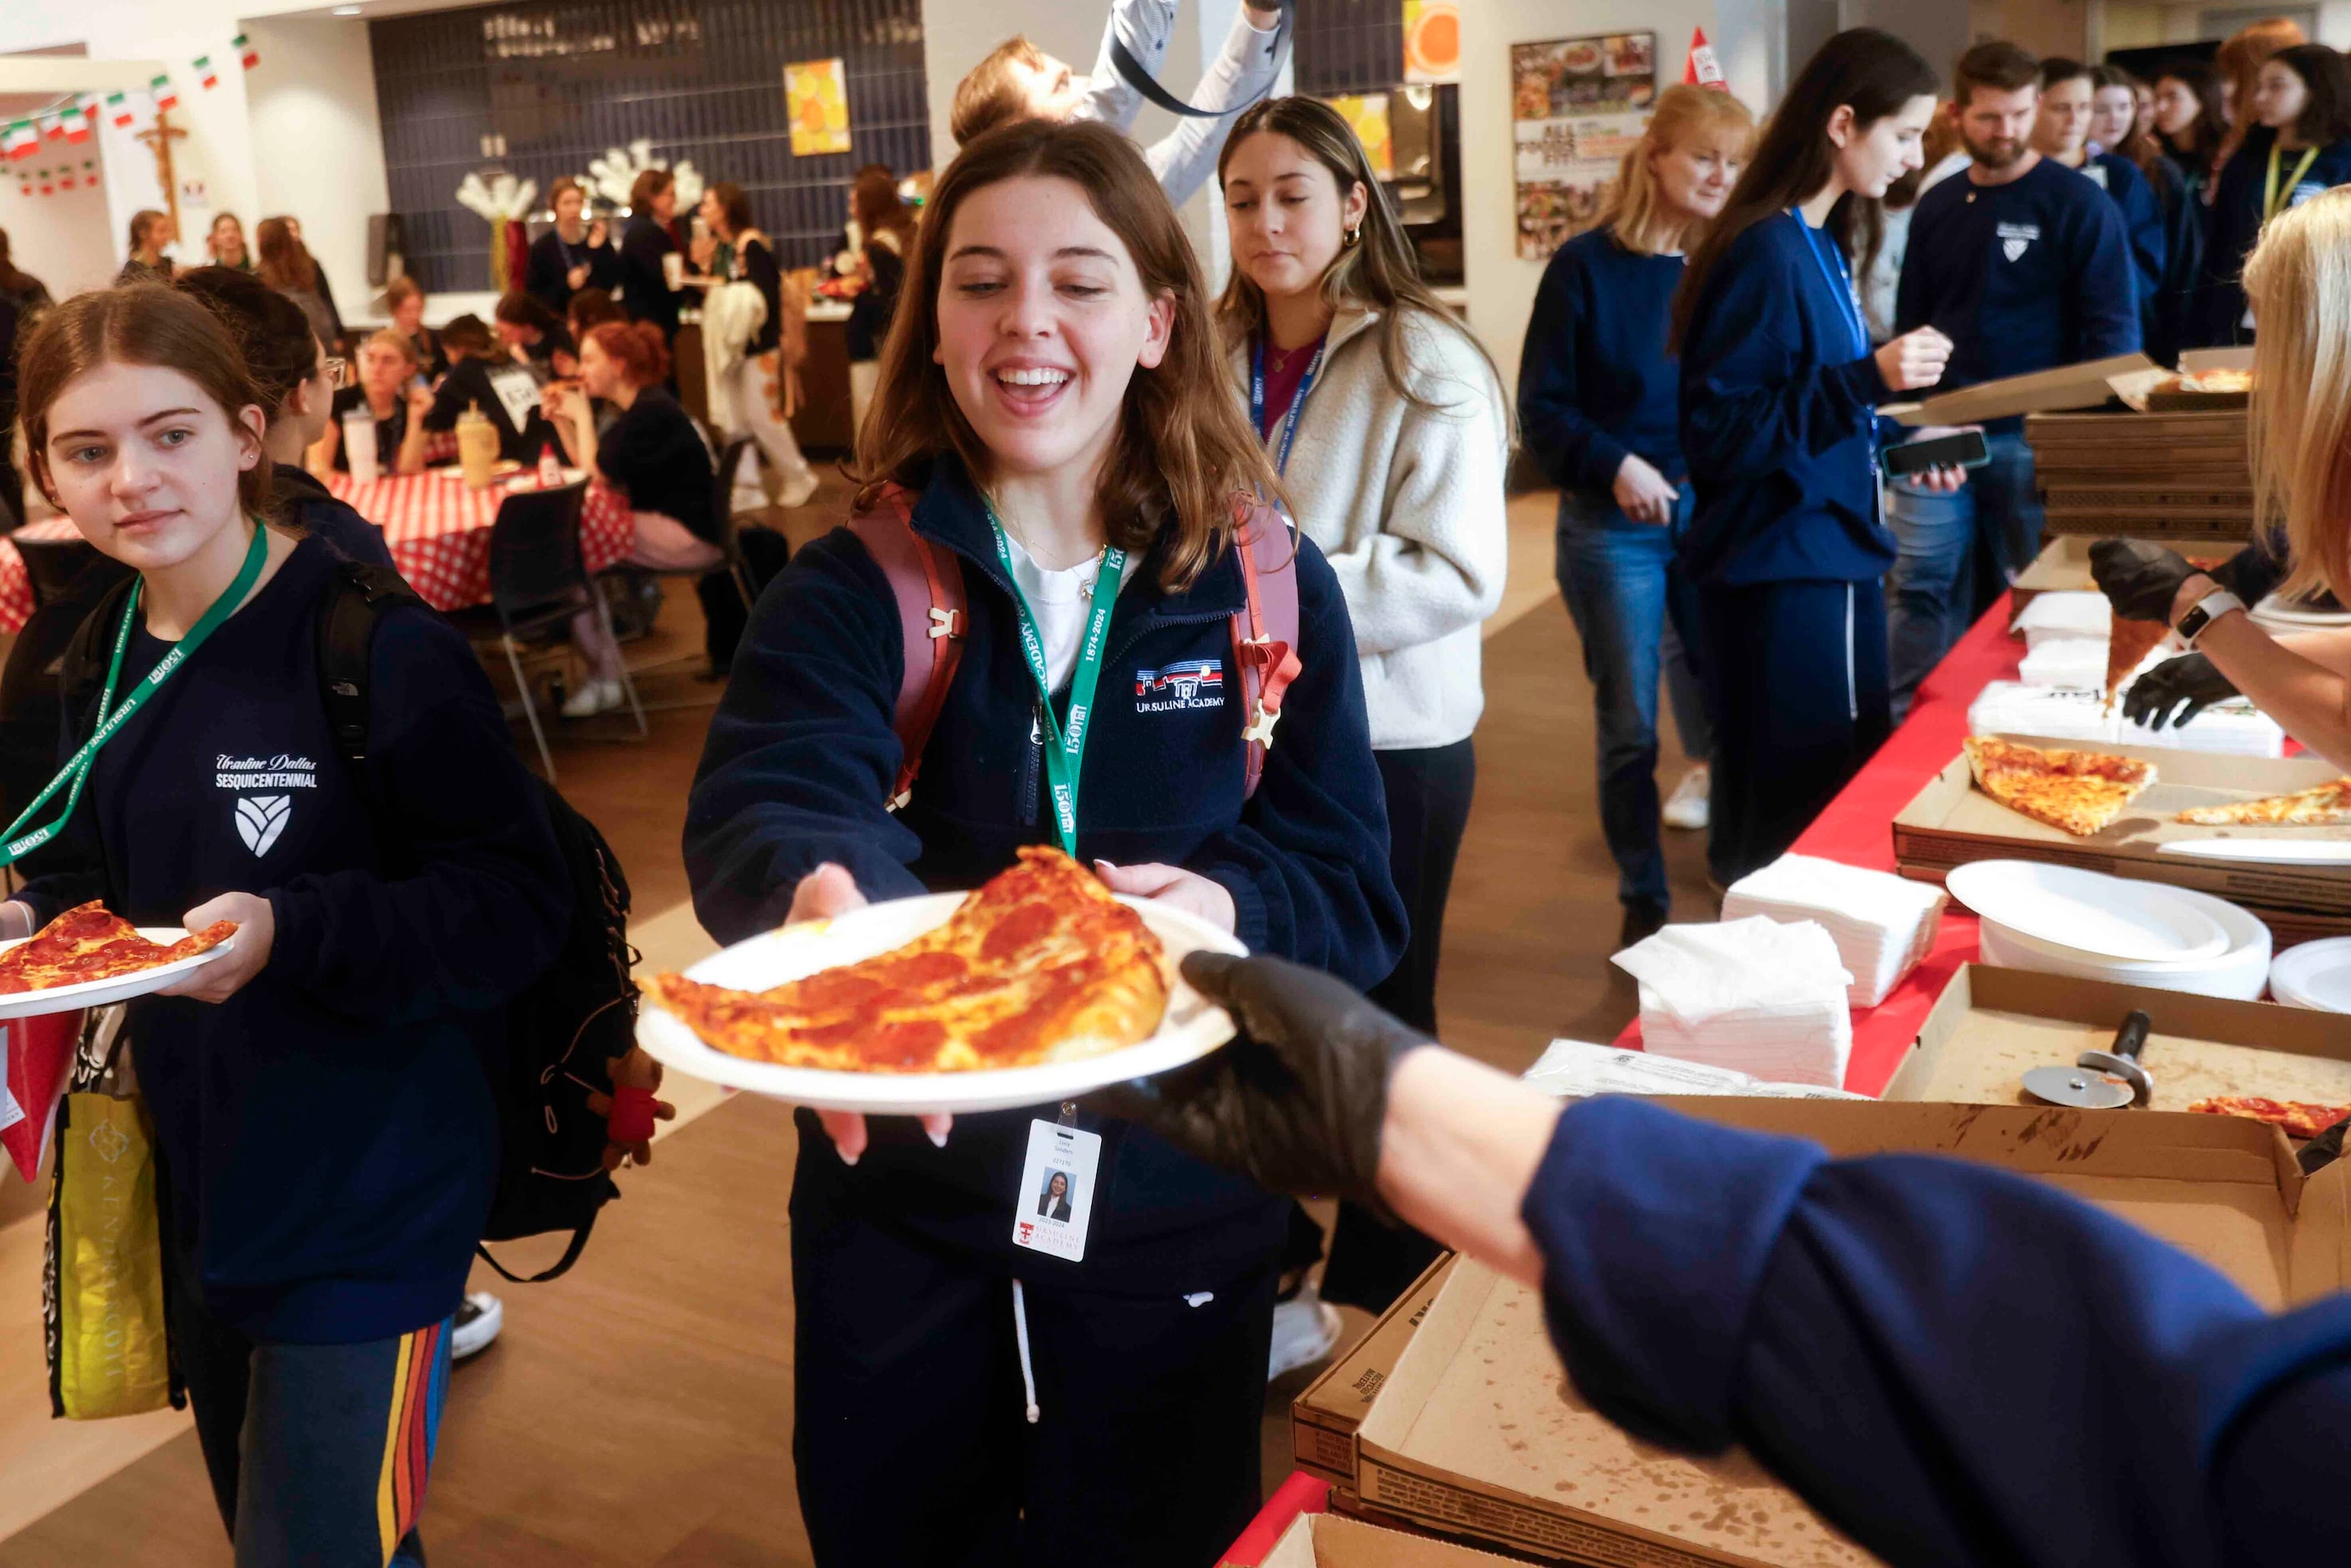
pixel 2322 806
pixel 2077 792
pixel 2127 647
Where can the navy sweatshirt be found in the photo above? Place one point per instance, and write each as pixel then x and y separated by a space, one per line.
pixel 328 1134
pixel 1594 379
pixel 2023 277
pixel 2235 222
pixel 2142 216
pixel 1778 419
pixel 312 507
pixel 1953 1364
pixel 800 760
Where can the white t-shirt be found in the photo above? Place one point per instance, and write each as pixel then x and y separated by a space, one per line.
pixel 1059 601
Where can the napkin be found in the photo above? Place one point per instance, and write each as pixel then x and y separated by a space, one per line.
pixel 1753 995
pixel 2057 617
pixel 1883 924
pixel 1574 1068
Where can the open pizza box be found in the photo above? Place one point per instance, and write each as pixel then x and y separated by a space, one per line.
pixel 1324 1415
pixel 1479 1432
pixel 1952 823
pixel 1991 1025
pixel 1329 1540
pixel 2085 385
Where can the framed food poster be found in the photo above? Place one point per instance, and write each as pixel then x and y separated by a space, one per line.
pixel 1432 42
pixel 1367 113
pixel 1576 105
pixel 816 96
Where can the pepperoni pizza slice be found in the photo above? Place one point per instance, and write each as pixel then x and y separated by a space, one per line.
pixel 87 943
pixel 1039 964
pixel 2295 1118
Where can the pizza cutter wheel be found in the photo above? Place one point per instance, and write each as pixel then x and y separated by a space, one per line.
pixel 2100 1080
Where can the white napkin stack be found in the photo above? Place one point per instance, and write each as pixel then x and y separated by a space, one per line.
pixel 1574 1068
pixel 1883 924
pixel 1754 996
pixel 2235 729
pixel 2066 616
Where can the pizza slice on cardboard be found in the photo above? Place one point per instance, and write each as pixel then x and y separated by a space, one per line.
pixel 2324 806
pixel 2127 647
pixel 2078 792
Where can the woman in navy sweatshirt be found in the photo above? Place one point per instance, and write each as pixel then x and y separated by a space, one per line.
pixel 323 1092
pixel 1599 409
pixel 1778 424
pixel 2299 144
pixel 1051 358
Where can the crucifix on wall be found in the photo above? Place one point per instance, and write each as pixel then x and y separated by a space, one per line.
pixel 159 141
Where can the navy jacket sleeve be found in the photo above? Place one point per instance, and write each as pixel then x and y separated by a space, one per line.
pixel 1574 452
pixel 1307 865
pixel 2143 229
pixel 487 902
pixel 1954 1363
pixel 801 755
pixel 1749 394
pixel 2106 292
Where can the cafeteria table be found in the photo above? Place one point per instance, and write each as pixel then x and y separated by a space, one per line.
pixel 437 527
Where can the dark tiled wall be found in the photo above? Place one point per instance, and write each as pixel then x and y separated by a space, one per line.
pixel 1349 46
pixel 704 79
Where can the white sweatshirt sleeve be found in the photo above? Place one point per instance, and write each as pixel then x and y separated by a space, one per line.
pixel 1437 562
pixel 1184 158
pixel 1145 26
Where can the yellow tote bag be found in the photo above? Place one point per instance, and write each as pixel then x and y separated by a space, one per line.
pixel 110 1355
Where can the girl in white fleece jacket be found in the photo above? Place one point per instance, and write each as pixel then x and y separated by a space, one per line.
pixel 1388 423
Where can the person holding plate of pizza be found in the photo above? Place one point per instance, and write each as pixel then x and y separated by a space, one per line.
pixel 321 1096
pixel 1052 428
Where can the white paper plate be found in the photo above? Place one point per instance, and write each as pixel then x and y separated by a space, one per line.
pixel 2236 975
pixel 2316 976
pixel 2104 916
pixel 121 988
pixel 2269 852
pixel 1193 1027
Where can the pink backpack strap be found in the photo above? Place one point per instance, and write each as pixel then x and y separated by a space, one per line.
pixel 926 581
pixel 1265 634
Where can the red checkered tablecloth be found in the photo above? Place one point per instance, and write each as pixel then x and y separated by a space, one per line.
pixel 438 529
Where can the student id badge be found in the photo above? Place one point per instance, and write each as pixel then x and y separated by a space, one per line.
pixel 1056 1200
pixel 518 393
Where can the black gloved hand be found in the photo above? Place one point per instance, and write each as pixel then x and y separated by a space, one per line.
pixel 2176 691
pixel 1296 1101
pixel 2140 581
pixel 2253 573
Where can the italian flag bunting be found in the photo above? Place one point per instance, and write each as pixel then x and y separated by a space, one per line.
pixel 53 127
pixel 166 96
pixel 246 54
pixel 204 72
pixel 64 179
pixel 48 186
pixel 78 120
pixel 119 106
pixel 23 140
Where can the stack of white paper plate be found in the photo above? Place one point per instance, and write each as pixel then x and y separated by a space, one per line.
pixel 2316 976
pixel 2065 921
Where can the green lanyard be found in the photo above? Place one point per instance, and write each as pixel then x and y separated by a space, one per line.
pixel 1065 750
pixel 2270 185
pixel 110 719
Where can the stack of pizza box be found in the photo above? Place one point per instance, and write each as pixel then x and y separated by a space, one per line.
pixel 2175 477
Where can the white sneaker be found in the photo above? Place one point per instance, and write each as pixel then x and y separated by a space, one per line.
pixel 799 488
pixel 746 499
pixel 1306 1329
pixel 1686 808
pixel 593 698
pixel 479 1317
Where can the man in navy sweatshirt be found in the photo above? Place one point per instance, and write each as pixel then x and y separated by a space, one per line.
pixel 2024 266
pixel 2061 133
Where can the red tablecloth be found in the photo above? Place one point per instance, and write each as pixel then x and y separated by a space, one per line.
pixel 1858 828
pixel 439 531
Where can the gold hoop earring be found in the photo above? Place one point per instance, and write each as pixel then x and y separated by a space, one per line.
pixel 1355 237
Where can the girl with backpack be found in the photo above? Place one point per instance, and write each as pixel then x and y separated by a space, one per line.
pixel 1050 429
pixel 1387 423
pixel 322 1096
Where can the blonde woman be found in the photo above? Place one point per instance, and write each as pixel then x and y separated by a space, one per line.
pixel 1390 428
pixel 2299 281
pixel 1599 409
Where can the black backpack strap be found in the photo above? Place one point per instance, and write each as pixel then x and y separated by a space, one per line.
pixel 357 597
pixel 561 1266
pixel 1122 61
pixel 82 672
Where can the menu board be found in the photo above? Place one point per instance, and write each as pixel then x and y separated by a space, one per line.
pixel 1576 106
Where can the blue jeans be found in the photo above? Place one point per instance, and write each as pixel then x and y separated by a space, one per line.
pixel 1637 616
pixel 1957 553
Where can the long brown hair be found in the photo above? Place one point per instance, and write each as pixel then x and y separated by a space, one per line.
pixel 1875 74
pixel 873 203
pixel 2210 125
pixel 285 261
pixel 2239 60
pixel 1184 453
pixel 281 351
pixel 1380 271
pixel 139 325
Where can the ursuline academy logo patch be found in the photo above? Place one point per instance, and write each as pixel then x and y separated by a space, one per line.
pixel 1187 684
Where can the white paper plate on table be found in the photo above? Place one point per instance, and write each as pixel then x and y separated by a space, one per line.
pixel 1192 1029
pixel 2316 976
pixel 2239 974
pixel 120 988
pixel 2104 916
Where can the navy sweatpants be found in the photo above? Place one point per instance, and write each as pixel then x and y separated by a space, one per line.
pixel 1796 682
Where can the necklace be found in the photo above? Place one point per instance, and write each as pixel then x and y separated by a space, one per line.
pixel 1086 587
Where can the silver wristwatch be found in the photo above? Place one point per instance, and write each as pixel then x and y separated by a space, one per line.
pixel 2205 610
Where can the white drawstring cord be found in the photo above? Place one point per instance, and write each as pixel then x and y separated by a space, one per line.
pixel 1021 1336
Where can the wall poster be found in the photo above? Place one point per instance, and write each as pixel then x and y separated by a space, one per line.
pixel 1575 106
pixel 1367 113
pixel 816 96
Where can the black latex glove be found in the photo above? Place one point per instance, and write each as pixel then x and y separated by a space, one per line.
pixel 2176 691
pixel 1296 1101
pixel 2140 581
pixel 2253 573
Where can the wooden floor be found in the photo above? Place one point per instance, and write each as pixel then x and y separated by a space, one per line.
pixel 637 1413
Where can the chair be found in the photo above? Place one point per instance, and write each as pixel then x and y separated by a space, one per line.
pixel 52 565
pixel 538 583
pixel 730 522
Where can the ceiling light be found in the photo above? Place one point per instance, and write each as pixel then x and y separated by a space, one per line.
pixel 346 11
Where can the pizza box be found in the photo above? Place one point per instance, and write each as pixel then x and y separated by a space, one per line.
pixel 2171 525
pixel 2084 385
pixel 1952 823
pixel 1479 1431
pixel 1332 1541
pixel 1990 1025
pixel 2196 361
pixel 1324 1415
